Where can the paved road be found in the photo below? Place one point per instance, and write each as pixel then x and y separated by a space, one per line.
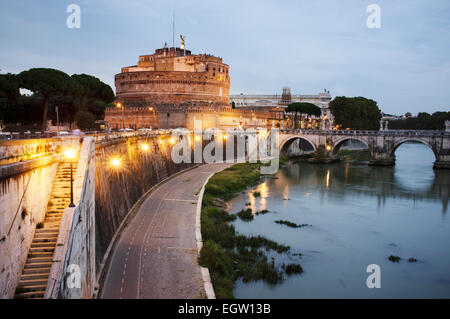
pixel 156 256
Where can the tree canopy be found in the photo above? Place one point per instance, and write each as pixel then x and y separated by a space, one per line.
pixel 86 87
pixel 51 87
pixel 303 108
pixel 423 121
pixel 356 113
pixel 9 86
pixel 48 82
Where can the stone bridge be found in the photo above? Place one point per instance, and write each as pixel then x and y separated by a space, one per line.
pixel 381 144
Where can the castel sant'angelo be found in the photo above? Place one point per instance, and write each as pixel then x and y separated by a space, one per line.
pixel 171 87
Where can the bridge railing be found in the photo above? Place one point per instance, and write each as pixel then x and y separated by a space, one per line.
pixel 368 132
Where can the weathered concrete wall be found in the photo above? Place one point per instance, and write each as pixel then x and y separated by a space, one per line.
pixel 26 177
pixel 72 275
pixel 23 150
pixel 18 219
pixel 116 190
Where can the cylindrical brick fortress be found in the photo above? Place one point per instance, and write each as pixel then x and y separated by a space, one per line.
pixel 173 75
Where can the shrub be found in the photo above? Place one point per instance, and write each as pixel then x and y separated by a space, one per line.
pixel 292 269
pixel 394 259
pixel 245 214
pixel 290 224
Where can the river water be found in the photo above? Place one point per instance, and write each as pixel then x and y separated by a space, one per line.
pixel 359 215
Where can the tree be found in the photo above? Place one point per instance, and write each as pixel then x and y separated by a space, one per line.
pixel 423 121
pixel 9 94
pixel 9 86
pixel 356 113
pixel 47 82
pixel 86 88
pixel 85 120
pixel 303 108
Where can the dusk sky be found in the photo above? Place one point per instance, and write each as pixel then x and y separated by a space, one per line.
pixel 305 45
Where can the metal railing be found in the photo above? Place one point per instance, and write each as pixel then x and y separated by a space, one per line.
pixel 367 132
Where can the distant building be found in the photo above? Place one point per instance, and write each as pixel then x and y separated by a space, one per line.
pixel 173 75
pixel 322 100
pixel 169 88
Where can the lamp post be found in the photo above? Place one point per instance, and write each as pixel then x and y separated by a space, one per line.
pixel 70 155
pixel 119 105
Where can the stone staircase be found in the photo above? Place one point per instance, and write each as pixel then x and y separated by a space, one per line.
pixel 33 281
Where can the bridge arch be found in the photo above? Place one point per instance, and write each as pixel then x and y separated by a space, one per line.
pixel 413 139
pixel 338 143
pixel 286 143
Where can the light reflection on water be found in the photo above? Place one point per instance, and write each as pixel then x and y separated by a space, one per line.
pixel 359 215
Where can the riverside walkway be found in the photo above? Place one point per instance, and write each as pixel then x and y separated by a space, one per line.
pixel 156 254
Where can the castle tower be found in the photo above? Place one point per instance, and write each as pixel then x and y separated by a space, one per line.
pixel 286 96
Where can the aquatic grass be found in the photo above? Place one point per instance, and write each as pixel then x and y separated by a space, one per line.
pixel 245 214
pixel 230 256
pixel 261 212
pixel 394 259
pixel 290 224
pixel 292 269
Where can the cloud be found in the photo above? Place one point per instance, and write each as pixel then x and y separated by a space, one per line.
pixel 307 45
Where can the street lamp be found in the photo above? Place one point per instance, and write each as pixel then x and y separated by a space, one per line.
pixel 70 155
pixel 115 162
pixel 119 106
pixel 145 147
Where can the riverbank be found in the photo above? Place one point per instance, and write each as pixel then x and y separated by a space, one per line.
pixel 309 157
pixel 228 255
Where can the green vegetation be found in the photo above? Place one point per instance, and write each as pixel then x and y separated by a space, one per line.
pixel 423 121
pixel 303 108
pixel 232 180
pixel 245 214
pixel 228 255
pixel 320 154
pixel 394 259
pixel 412 260
pixel 346 152
pixel 85 120
pixel 301 158
pixel 290 224
pixel 356 113
pixel 256 194
pixel 51 87
pixel 261 212
pixel 292 269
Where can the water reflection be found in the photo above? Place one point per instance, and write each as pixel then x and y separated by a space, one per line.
pixel 359 215
pixel 407 180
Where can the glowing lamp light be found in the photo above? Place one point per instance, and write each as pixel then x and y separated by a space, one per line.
pixel 328 147
pixel 225 136
pixel 119 105
pixel 69 154
pixel 172 140
pixel 145 147
pixel 115 162
pixel 197 138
